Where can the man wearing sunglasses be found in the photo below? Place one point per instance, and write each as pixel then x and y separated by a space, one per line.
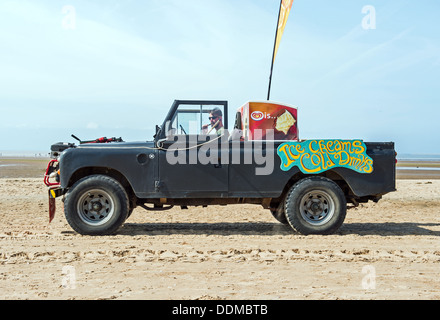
pixel 216 119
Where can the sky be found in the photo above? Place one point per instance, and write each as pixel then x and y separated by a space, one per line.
pixel 356 69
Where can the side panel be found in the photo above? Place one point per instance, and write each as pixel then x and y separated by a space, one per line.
pixel 192 168
pixel 137 163
pixel 383 178
pixel 254 170
pixel 245 181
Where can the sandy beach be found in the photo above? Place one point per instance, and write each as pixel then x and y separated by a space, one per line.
pixel 388 250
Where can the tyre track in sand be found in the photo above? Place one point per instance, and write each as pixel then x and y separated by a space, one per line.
pixel 233 252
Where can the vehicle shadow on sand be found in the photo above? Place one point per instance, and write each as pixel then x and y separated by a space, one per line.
pixel 221 228
pixel 266 228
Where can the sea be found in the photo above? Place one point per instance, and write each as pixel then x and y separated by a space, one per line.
pixel 24 154
pixel 418 157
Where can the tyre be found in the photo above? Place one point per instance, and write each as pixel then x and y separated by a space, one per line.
pixel 315 205
pixel 96 205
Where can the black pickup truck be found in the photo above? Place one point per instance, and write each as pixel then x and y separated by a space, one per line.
pixel 307 184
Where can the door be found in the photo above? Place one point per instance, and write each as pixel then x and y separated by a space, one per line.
pixel 190 160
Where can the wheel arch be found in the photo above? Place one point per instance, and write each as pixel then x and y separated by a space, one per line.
pixel 112 173
pixel 330 174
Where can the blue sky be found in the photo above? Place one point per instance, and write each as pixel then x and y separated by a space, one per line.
pixel 113 67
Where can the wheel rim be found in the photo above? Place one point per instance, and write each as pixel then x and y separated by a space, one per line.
pixel 95 207
pixel 317 207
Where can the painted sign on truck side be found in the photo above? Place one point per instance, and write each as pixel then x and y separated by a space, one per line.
pixel 316 156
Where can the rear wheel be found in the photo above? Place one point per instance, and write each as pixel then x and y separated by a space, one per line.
pixel 315 205
pixel 96 205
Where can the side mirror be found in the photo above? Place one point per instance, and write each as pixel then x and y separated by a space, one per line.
pixel 238 124
pixel 157 131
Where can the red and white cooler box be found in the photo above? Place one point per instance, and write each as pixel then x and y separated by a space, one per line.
pixel 269 120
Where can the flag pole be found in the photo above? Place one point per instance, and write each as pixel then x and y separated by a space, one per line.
pixel 273 54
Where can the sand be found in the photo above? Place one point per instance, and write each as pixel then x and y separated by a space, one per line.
pixel 389 250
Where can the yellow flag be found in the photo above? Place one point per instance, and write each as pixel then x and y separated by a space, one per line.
pixel 286 6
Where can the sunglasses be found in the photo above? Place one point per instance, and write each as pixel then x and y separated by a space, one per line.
pixel 212 118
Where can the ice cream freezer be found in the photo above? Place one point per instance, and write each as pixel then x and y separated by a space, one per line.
pixel 267 120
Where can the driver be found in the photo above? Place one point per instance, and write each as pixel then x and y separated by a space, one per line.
pixel 216 119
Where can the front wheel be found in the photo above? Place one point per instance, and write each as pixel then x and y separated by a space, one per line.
pixel 96 205
pixel 315 205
